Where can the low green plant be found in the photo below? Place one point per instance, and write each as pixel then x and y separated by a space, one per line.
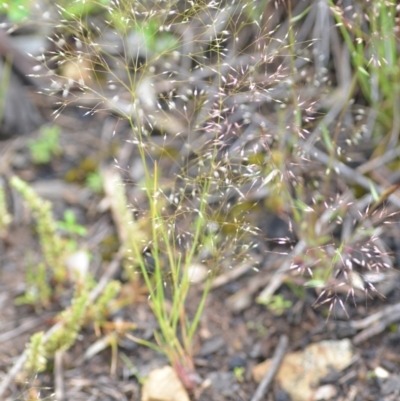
pixel 72 229
pixel 36 361
pixel 149 33
pixel 20 10
pixel 70 225
pixel 71 10
pixel 47 146
pixel 38 289
pixel 71 321
pixel 258 327
pixel 55 248
pixel 100 310
pixel 277 304
pixel 239 372
pixel 52 245
pixel 94 182
pixel 43 347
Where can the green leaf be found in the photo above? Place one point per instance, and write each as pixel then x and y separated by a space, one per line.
pixel 315 283
pixel 374 192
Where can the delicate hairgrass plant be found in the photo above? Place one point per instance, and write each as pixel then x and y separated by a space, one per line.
pixel 211 172
pixel 171 274
pixel 172 256
pixel 330 262
pixel 375 59
pixel 374 54
pixel 169 283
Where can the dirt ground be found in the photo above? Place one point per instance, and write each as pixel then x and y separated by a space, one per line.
pixel 236 333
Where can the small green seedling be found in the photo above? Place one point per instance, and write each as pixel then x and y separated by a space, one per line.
pixel 94 181
pixel 70 225
pixel 46 146
pixel 238 371
pixel 277 304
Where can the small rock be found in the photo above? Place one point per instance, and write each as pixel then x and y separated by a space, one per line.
pixel 326 392
pixel 301 371
pixel 211 346
pixel 381 373
pixel 237 361
pixel 391 385
pixel 224 383
pixel 281 395
pixel 197 273
pixel 78 265
pixel 20 161
pixel 163 384
pixel 239 301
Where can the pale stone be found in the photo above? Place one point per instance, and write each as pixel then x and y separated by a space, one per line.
pixel 163 384
pixel 197 273
pixel 301 371
pixel 78 265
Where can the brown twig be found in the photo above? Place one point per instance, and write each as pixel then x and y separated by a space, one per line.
pixel 24 327
pixel 376 323
pixel 278 276
pixel 235 273
pixel 376 328
pixel 376 317
pixel 280 351
pixel 59 376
